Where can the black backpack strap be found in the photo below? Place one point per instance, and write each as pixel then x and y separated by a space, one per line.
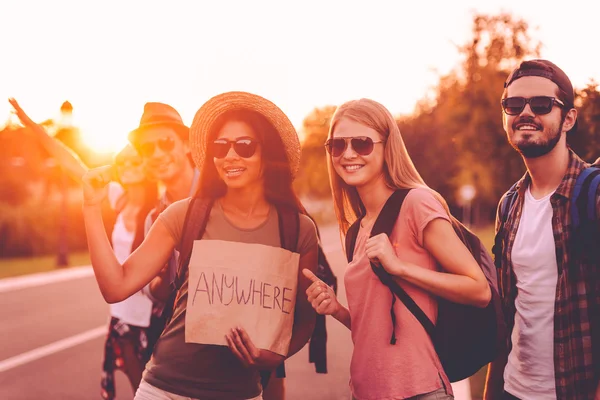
pixel 289 232
pixel 350 241
pixel 585 235
pixel 194 225
pixel 289 228
pixel 504 210
pixel 583 204
pixel 386 220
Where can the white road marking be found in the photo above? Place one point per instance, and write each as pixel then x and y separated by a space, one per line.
pixel 52 348
pixel 44 278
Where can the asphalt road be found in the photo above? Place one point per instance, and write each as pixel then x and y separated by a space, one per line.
pixel 68 320
pixel 52 337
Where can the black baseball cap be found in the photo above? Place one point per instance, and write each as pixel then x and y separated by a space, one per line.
pixel 548 70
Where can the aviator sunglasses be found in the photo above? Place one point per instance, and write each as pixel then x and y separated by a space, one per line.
pixel 362 145
pixel 244 147
pixel 165 144
pixel 539 105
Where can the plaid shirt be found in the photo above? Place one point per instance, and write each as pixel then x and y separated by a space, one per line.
pixel 577 374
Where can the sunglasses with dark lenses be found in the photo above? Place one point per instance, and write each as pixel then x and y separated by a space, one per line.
pixel 165 144
pixel 362 145
pixel 244 147
pixel 539 105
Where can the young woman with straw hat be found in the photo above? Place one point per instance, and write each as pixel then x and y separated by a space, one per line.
pixel 248 152
pixel 368 163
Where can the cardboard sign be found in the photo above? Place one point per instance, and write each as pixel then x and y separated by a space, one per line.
pixel 240 284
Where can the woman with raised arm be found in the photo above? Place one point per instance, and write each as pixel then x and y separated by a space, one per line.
pixel 248 153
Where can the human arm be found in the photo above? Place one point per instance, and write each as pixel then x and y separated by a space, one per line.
pixel 324 301
pixel 117 282
pixel 461 281
pixel 64 156
pixel 160 287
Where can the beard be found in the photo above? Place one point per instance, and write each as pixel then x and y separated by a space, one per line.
pixel 537 149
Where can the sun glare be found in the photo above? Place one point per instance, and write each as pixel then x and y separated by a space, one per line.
pixel 103 139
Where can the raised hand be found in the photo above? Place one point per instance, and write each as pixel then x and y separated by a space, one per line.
pixel 379 249
pixel 94 182
pixel 242 347
pixel 23 117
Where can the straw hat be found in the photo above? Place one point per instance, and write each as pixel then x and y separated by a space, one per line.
pixel 216 106
pixel 160 114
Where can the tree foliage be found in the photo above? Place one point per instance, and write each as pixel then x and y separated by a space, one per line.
pixel 458 138
pixel 313 178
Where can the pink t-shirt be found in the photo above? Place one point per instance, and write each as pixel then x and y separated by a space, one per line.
pixel 411 367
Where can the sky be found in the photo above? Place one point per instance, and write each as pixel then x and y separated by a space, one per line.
pixel 108 58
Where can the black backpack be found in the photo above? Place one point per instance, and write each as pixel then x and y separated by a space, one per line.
pixel 289 229
pixel 466 338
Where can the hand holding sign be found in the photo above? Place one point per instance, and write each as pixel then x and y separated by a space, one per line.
pixel 241 284
pixel 321 296
pixel 243 348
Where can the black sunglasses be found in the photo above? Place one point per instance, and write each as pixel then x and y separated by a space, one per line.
pixel 147 149
pixel 540 105
pixel 362 145
pixel 244 147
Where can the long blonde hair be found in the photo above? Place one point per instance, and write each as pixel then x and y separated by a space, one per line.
pixel 398 168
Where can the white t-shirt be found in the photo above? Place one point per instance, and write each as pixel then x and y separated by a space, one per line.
pixel 137 309
pixel 529 373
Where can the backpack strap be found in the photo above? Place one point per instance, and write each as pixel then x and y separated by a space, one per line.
pixel 592 190
pixel 289 228
pixel 386 220
pixel 194 225
pixel 586 234
pixel 584 196
pixel 350 241
pixel 289 232
pixel 506 205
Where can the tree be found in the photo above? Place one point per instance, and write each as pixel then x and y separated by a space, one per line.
pixel 313 178
pixel 586 141
pixel 460 135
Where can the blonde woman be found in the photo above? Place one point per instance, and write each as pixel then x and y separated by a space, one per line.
pixel 367 163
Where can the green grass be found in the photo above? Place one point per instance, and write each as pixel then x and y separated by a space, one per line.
pixel 486 235
pixel 10 267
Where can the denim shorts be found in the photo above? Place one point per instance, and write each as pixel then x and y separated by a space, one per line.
pixel 148 392
pixel 439 394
